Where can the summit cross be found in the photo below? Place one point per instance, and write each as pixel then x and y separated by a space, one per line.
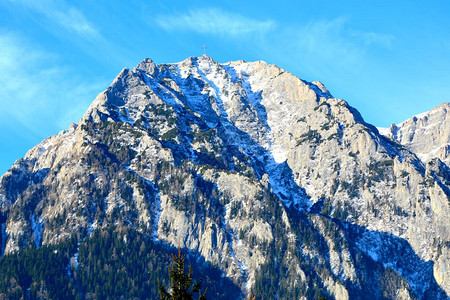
pixel 204 49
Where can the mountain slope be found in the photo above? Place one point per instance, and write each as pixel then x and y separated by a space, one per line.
pixel 264 176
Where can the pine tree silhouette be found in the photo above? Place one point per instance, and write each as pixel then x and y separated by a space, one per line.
pixel 181 284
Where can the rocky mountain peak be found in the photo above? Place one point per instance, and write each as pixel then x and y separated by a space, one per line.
pixel 426 134
pixel 147 65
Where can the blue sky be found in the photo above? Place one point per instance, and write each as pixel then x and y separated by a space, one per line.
pixel 388 59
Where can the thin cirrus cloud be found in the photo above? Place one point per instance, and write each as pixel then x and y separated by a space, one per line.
pixel 36 92
pixel 338 35
pixel 373 38
pixel 331 46
pixel 63 15
pixel 74 20
pixel 214 21
pixel 326 42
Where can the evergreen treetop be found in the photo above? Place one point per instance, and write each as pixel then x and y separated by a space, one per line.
pixel 182 286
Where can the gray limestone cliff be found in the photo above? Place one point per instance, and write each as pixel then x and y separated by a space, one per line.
pixel 426 134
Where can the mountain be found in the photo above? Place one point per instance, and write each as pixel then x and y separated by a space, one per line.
pixel 270 185
pixel 426 134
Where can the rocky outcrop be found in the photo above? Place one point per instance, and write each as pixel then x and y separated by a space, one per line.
pixel 427 134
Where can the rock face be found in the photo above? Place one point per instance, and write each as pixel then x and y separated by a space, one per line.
pixel 427 134
pixel 268 177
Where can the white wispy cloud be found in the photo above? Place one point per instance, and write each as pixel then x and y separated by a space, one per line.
pixel 63 15
pixel 323 38
pixel 36 91
pixel 373 38
pixel 337 36
pixel 75 21
pixel 214 21
pixel 326 47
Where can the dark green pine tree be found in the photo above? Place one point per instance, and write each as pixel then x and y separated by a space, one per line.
pixel 181 285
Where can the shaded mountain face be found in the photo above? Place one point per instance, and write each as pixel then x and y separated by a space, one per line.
pixel 281 187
